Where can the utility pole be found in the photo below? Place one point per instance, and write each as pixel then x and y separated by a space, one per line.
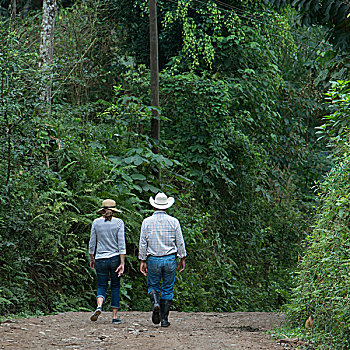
pixel 154 66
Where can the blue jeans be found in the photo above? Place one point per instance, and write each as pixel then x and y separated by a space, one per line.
pixel 162 267
pixel 105 269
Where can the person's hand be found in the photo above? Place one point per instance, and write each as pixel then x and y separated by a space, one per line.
pixel 181 265
pixel 143 268
pixel 92 264
pixel 120 270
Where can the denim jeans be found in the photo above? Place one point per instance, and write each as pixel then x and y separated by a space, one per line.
pixel 162 267
pixel 105 269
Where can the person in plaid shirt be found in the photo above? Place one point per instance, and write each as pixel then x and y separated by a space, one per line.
pixel 161 241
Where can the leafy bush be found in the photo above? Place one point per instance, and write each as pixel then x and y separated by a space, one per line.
pixel 322 279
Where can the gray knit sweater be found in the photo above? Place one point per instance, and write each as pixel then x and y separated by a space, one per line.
pixel 109 236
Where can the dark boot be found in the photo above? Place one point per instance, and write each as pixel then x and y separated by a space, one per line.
pixel 164 312
pixel 154 297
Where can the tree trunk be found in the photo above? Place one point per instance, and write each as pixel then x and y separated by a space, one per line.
pixel 46 50
pixel 13 8
pixel 46 57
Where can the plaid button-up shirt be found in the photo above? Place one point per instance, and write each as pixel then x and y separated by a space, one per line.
pixel 161 235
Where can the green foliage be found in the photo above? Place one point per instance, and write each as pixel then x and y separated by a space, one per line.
pixel 322 278
pixel 84 64
pixel 328 13
pixel 259 224
pixel 201 25
pixel 237 150
pixel 335 128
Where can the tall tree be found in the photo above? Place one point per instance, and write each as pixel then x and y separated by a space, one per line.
pixel 46 49
pixel 13 8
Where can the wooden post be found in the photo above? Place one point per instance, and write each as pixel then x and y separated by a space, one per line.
pixel 154 66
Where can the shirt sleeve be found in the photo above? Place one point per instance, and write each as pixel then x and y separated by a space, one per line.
pixel 180 243
pixel 92 243
pixel 143 243
pixel 121 239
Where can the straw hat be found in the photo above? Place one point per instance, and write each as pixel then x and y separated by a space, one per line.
pixel 108 204
pixel 161 201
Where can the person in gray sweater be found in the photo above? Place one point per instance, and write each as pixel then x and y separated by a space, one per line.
pixel 107 256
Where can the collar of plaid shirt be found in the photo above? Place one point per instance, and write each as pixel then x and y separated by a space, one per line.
pixel 160 212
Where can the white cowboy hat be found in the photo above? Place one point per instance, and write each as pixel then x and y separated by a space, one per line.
pixel 108 204
pixel 161 201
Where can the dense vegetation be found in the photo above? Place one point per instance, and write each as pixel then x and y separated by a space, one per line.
pixel 241 92
pixel 322 279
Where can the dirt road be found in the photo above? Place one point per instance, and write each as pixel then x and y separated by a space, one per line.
pixel 74 330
